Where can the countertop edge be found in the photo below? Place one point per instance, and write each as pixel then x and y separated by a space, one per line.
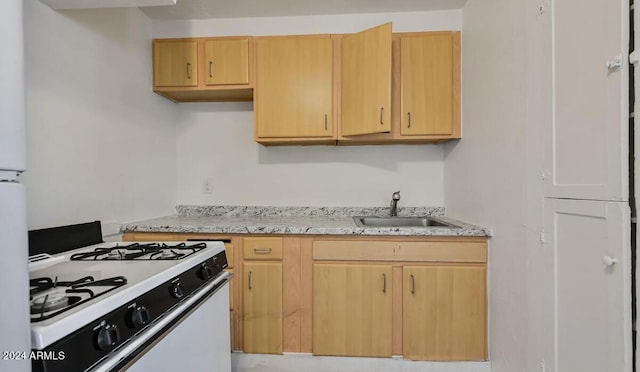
pixel 181 224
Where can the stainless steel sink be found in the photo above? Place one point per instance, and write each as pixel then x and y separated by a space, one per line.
pixel 402 222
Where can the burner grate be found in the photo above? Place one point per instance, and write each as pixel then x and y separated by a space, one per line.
pixel 138 251
pixel 50 297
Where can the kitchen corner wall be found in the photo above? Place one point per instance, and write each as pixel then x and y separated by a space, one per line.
pixel 492 175
pixel 101 144
pixel 215 140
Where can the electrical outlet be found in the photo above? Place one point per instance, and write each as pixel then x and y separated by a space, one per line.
pixel 207 186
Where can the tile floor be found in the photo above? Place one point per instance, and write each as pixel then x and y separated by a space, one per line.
pixel 241 362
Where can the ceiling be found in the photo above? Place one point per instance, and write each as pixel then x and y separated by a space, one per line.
pixel 205 9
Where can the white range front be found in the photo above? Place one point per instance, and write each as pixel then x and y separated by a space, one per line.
pixel 142 277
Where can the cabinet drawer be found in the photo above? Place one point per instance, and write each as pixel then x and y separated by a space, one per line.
pixel 354 250
pixel 262 248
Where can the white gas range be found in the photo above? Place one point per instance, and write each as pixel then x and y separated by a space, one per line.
pixel 112 306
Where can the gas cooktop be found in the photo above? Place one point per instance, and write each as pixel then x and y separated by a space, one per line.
pixel 50 297
pixel 140 251
pixel 71 289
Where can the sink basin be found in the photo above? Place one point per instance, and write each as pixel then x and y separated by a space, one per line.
pixel 402 222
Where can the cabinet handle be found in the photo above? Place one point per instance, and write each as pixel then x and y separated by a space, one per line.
pixel 261 250
pixel 384 283
pixel 409 124
pixel 210 68
pixel 249 280
pixel 381 113
pixel 188 70
pixel 413 285
pixel 325 121
pixel 609 261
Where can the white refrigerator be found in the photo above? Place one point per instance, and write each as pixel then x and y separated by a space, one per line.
pixel 14 273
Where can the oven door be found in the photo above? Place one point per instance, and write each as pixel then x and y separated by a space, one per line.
pixel 194 336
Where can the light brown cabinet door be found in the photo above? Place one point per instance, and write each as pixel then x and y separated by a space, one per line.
pixel 444 313
pixel 426 75
pixel 294 87
pixel 262 311
pixel 226 61
pixel 352 310
pixel 366 82
pixel 175 63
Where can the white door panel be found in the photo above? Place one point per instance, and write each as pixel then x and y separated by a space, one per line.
pixel 586 146
pixel 14 311
pixel 589 286
pixel 12 100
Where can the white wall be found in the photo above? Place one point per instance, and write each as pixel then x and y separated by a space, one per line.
pixel 215 140
pixel 327 24
pixel 492 175
pixel 101 144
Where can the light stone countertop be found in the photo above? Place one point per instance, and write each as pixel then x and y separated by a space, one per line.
pixel 295 221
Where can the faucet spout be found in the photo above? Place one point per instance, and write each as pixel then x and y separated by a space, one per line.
pixel 394 203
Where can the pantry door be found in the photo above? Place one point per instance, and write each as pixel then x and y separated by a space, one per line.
pixel 586 146
pixel 588 286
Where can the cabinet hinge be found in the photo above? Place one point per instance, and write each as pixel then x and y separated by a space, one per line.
pixel 544 174
pixel 541 9
pixel 543 6
pixel 543 366
pixel 543 237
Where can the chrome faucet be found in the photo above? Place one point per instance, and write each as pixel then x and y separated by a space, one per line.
pixel 394 203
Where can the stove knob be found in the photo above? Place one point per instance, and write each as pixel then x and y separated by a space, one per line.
pixel 215 262
pixel 205 272
pixel 139 317
pixel 177 290
pixel 108 337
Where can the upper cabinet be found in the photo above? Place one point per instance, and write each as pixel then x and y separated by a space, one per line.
pixel 203 69
pixel 366 82
pixel 370 87
pixel 294 89
pixel 175 63
pixel 425 91
pixel 427 85
pixel 226 61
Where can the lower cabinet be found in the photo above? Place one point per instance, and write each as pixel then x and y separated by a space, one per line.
pixel 262 307
pixel 444 313
pixel 352 310
pixel 438 311
pixel 344 303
